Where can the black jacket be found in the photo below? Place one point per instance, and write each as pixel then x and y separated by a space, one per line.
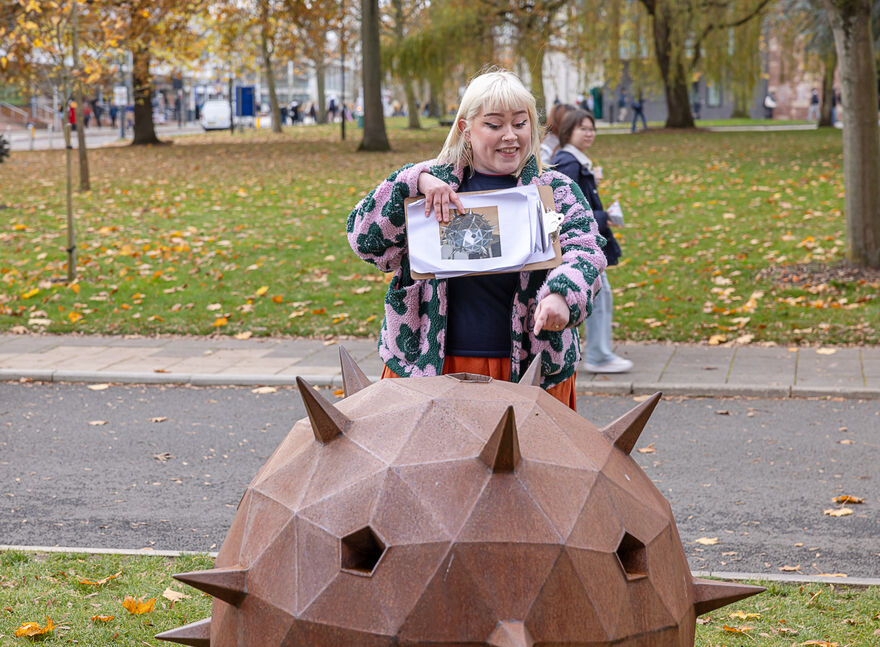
pixel 566 163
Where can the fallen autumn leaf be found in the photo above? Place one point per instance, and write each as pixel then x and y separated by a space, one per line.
pixel 33 629
pixel 138 606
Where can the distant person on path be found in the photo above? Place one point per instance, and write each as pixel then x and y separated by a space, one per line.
pixel 622 102
pixel 638 112
pixel 493 324
pixel 769 105
pixel 97 110
pixel 835 101
pixel 813 110
pixel 576 135
pixel 71 114
pixel 551 131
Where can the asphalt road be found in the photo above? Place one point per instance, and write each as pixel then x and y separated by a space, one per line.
pixel 164 467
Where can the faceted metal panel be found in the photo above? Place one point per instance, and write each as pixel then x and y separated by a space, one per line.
pixel 452 510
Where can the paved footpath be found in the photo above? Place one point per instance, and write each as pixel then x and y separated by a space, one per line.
pixel 675 369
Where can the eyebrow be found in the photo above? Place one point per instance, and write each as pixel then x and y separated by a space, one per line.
pixel 498 114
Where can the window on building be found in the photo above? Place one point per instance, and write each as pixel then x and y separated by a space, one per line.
pixel 713 95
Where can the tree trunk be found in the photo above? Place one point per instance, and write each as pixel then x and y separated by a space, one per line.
pixel 142 82
pixel 84 181
pixel 830 63
pixel 851 24
pixel 320 71
pixel 534 59
pixel 669 59
pixel 375 136
pixel 412 109
pixel 437 102
pixel 270 75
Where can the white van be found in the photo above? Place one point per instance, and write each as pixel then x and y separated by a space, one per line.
pixel 215 115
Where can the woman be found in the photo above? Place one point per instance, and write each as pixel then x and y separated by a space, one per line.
pixel 551 131
pixel 576 135
pixel 491 324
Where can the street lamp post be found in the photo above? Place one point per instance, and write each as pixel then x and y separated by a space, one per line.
pixel 342 100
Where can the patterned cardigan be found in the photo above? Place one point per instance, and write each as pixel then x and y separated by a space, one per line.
pixel 413 334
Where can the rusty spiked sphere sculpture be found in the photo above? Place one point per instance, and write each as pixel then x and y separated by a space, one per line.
pixel 452 511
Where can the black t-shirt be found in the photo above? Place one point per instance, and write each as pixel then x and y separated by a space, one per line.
pixel 478 317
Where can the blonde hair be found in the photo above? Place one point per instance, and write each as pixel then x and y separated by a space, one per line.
pixel 494 90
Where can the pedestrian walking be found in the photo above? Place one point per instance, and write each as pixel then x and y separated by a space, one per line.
pixel 576 136
pixel 835 101
pixel 813 110
pixel 638 113
pixel 492 324
pixel 769 105
pixel 71 114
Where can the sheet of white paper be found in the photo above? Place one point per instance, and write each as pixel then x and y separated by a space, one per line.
pixel 514 235
pixel 615 214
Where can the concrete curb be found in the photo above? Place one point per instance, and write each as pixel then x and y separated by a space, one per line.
pixel 318 379
pixel 724 575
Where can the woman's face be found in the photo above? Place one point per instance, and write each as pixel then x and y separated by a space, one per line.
pixel 500 140
pixel 583 134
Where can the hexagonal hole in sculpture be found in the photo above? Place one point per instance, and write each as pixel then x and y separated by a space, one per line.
pixel 633 557
pixel 469 377
pixel 361 551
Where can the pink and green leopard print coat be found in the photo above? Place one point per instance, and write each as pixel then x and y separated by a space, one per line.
pixel 413 334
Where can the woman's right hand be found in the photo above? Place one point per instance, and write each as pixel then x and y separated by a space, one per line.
pixel 438 197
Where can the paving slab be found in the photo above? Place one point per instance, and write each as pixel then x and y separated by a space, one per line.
pixel 99 358
pixel 299 347
pixel 16 344
pixel 261 366
pixel 840 368
pixel 648 360
pixel 871 367
pixel 701 365
pixel 773 366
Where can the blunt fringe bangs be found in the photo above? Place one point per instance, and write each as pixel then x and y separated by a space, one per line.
pixel 495 90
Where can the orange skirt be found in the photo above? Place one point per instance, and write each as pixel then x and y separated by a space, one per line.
pixel 498 368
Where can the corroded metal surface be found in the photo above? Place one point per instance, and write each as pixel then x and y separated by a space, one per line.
pixel 453 510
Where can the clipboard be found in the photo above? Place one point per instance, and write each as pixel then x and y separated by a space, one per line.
pixel 546 194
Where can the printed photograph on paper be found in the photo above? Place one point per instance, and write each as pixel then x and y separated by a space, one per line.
pixel 474 234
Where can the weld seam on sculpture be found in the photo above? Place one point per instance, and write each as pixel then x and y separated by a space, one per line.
pixel 452 510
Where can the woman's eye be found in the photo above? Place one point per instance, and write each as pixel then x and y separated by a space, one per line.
pixel 521 124
pixel 492 126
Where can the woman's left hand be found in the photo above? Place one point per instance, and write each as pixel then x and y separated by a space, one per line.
pixel 551 313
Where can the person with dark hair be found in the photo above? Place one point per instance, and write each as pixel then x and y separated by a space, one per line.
pixel 551 131
pixel 490 324
pixel 813 110
pixel 576 135
pixel 638 107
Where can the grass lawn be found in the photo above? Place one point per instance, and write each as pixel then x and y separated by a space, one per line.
pixel 729 236
pixel 39 585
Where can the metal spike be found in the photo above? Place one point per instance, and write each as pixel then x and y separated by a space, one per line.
pixel 532 375
pixel 625 431
pixel 196 634
pixel 710 595
pixel 327 421
pixel 501 452
pixel 353 378
pixel 228 584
